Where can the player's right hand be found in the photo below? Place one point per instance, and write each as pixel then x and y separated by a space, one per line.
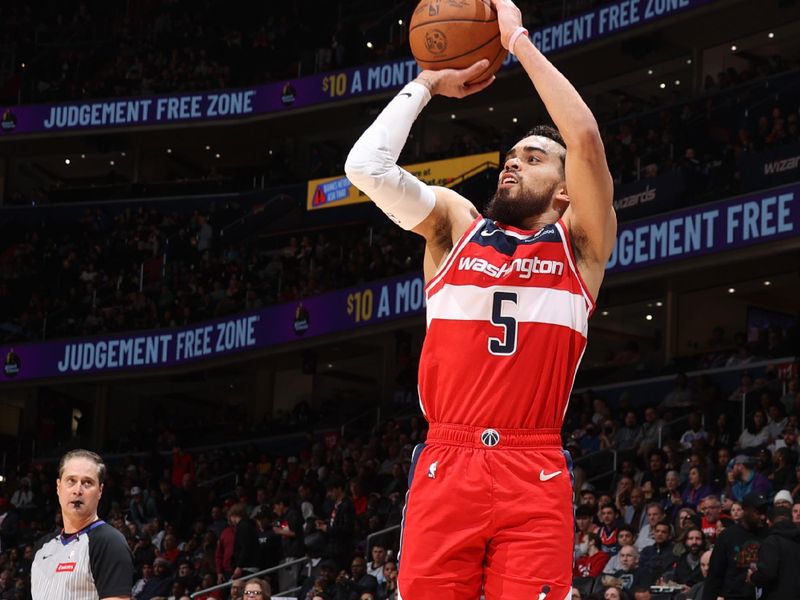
pixel 453 83
pixel 509 17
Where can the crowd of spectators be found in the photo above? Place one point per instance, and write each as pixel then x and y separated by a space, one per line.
pixel 91 49
pixel 688 505
pixel 139 268
pixel 85 275
pixel 685 499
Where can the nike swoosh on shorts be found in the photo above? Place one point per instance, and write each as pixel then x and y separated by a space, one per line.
pixel 548 476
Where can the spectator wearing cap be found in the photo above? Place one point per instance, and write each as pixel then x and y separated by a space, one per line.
pixel 788 441
pixel 743 479
pixel 736 547
pixel 141 511
pixel 776 571
pixel 783 499
pixel 325 579
pixel 588 494
pixel 160 584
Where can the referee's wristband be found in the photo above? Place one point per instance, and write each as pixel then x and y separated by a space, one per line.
pixel 519 31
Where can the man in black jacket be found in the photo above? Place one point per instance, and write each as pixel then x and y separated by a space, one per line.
pixel 778 569
pixel 339 529
pixel 245 542
pixel 735 549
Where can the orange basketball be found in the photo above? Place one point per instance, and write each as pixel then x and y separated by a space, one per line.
pixel 454 34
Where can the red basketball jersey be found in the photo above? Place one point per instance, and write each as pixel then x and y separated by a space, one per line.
pixel 507 321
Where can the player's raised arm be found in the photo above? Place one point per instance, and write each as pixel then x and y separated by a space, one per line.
pixel 589 186
pixel 372 163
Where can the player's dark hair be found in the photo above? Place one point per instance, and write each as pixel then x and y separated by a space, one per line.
pixel 87 454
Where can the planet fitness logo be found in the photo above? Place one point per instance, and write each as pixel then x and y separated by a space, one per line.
pixel 12 364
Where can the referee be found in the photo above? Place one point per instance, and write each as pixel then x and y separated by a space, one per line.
pixel 89 559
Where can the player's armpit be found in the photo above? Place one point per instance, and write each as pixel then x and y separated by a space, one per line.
pixel 450 218
pixel 591 209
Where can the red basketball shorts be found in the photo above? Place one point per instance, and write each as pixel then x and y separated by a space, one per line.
pixel 488 511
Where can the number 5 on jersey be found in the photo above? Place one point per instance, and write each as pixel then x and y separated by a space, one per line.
pixel 508 344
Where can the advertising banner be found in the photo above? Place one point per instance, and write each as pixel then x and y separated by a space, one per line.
pixel 338 191
pixel 772 167
pixel 710 228
pixel 313 90
pixel 133 352
pixel 648 196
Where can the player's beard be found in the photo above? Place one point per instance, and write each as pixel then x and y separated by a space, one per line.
pixel 517 210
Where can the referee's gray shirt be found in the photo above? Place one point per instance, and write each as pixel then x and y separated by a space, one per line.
pixel 93 563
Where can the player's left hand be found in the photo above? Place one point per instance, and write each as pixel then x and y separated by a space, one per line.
pixel 509 17
pixel 456 83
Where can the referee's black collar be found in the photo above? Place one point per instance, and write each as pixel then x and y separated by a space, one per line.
pixel 66 538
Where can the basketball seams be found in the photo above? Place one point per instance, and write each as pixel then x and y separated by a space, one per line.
pixel 470 51
pixel 444 21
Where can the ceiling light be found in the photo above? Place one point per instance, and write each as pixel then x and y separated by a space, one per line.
pixel 169 150
pixel 649 317
pixel 688 61
pixel 83 156
pixel 66 161
pixel 514 120
pixel 731 290
pixel 677 82
pixel 208 147
pixel 604 313
pixel 369 44
pixel 649 71
pixel 770 35
pixel 662 85
pixel 270 152
pixel 734 48
pixel 399 21
pixel 767 282
pixel 217 155
pixel 111 162
pixel 123 153
pixel 452 116
pixel 659 303
pixel 491 109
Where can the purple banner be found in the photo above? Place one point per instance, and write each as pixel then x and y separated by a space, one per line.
pixel 334 312
pixel 318 89
pixel 751 219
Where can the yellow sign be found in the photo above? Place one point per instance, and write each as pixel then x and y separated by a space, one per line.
pixel 338 191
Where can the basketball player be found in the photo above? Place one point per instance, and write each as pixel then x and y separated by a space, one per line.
pixel 508 298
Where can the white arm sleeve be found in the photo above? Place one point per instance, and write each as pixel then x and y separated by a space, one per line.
pixel 372 163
